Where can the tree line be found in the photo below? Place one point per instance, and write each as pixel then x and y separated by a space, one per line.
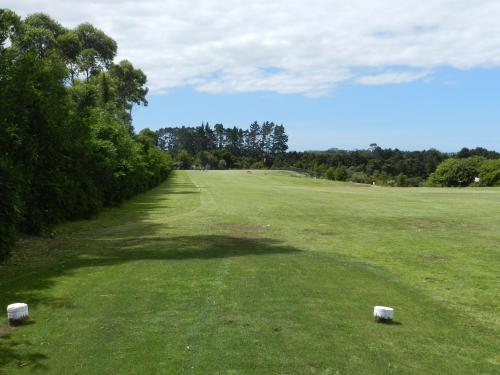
pixel 67 146
pixel 393 167
pixel 257 147
pixel 259 141
pixel 374 164
pixel 264 146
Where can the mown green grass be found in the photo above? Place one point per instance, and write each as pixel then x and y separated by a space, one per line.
pixel 255 272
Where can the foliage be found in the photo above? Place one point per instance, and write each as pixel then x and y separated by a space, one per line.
pixel 478 151
pixel 341 173
pixel 360 178
pixel 207 147
pixel 222 164
pixel 184 160
pixel 260 141
pixel 10 205
pixel 489 173
pixel 330 173
pixel 401 180
pixel 66 145
pixel 456 172
pixel 468 165
pixel 374 164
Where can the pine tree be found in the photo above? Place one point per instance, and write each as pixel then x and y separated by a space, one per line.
pixel 279 140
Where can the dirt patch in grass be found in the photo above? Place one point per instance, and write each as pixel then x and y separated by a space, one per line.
pixel 4 329
pixel 243 230
pixel 425 224
pixel 229 319
pixel 435 258
pixel 433 224
pixel 318 232
pixel 327 233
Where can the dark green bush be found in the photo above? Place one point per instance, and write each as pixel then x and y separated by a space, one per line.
pixel 341 173
pixel 361 178
pixel 10 206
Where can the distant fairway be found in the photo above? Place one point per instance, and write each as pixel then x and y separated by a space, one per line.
pixel 263 272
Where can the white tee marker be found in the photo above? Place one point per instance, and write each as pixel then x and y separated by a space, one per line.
pixel 383 314
pixel 17 312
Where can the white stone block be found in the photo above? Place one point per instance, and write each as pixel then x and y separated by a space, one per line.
pixel 383 313
pixel 17 311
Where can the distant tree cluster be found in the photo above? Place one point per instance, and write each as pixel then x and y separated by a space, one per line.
pixel 222 147
pixel 393 167
pixel 375 164
pixel 478 151
pixel 67 146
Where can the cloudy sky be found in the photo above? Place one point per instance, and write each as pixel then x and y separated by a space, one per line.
pixel 338 73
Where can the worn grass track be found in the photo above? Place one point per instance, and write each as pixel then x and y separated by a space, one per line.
pixel 255 272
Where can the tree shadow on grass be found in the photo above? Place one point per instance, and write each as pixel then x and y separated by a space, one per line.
pixel 110 250
pixel 181 248
pixel 122 247
pixel 185 192
pixel 9 353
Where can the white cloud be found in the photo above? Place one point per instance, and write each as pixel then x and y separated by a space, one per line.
pixel 306 47
pixel 391 78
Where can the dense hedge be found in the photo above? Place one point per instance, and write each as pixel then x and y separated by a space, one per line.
pixel 67 147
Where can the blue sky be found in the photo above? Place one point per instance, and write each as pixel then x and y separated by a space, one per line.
pixel 410 74
pixel 451 109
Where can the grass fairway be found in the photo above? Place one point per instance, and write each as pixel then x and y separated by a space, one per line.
pixel 254 272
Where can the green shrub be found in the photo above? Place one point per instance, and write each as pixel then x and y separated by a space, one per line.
pixel 184 160
pixel 257 165
pixel 222 164
pixel 320 170
pixel 10 207
pixel 341 173
pixel 414 181
pixel 456 172
pixel 401 180
pixel 330 173
pixel 489 173
pixel 360 178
